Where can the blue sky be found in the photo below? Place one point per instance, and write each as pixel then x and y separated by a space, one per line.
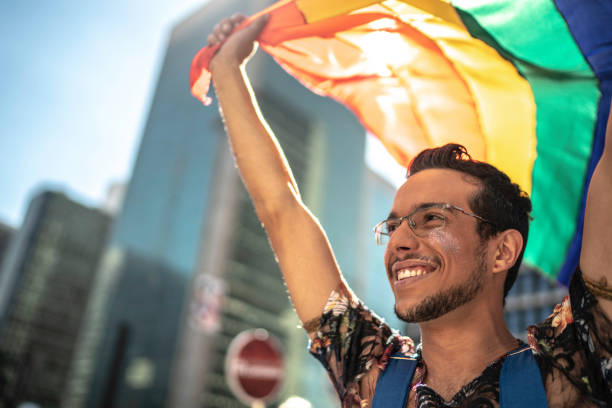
pixel 76 79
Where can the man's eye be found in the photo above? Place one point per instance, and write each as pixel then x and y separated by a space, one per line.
pixel 433 218
pixel 392 225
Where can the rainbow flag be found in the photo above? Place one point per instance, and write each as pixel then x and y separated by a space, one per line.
pixel 524 84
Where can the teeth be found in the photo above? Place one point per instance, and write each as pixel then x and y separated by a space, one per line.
pixel 410 273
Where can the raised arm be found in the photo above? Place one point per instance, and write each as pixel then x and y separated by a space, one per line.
pixel 596 255
pixel 306 259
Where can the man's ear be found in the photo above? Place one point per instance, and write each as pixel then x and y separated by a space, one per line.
pixel 508 246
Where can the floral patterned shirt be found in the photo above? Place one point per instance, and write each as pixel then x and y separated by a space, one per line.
pixel 573 348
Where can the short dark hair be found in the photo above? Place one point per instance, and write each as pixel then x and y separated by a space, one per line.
pixel 499 200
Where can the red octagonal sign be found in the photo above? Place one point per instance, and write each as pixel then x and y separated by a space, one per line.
pixel 254 366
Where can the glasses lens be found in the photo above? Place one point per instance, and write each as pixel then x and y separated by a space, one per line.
pixel 386 228
pixel 429 219
pixel 423 222
pixel 381 233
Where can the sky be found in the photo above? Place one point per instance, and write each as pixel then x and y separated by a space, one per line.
pixel 76 80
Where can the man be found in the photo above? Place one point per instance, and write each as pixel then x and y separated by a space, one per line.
pixel 455 237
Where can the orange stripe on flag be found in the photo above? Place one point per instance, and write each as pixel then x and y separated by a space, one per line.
pixel 410 71
pixel 496 89
pixel 396 80
pixel 284 16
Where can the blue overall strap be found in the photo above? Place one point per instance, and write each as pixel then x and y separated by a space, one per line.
pixel 393 385
pixel 520 381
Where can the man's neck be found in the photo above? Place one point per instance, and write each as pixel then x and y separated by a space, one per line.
pixel 458 346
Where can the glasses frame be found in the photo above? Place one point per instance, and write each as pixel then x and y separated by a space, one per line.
pixel 412 224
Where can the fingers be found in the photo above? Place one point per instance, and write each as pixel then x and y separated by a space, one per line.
pixel 257 26
pixel 237 18
pixel 224 28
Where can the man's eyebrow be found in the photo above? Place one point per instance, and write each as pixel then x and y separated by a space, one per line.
pixel 421 206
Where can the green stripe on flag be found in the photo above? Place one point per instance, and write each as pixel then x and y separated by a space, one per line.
pixel 535 38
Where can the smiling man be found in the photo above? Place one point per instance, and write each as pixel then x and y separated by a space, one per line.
pixel 454 240
pixel 443 188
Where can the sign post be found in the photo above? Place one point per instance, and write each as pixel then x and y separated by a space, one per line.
pixel 254 367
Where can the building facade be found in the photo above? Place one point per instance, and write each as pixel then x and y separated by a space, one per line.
pixel 188 265
pixel 530 301
pixel 6 233
pixel 46 280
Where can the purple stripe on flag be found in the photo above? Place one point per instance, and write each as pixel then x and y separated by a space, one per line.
pixel 590 25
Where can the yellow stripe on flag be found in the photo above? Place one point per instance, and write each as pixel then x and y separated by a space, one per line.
pixel 422 85
pixel 316 10
pixel 503 99
pixel 438 8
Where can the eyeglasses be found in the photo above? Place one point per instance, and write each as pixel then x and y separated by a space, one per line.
pixel 423 221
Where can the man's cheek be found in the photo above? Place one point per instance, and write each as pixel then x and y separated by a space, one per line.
pixel 387 262
pixel 446 241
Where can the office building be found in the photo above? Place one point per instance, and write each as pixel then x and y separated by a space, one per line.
pixel 6 233
pixel 188 265
pixel 46 279
pixel 530 301
pixel 187 229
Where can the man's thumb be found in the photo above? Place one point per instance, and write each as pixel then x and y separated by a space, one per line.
pixel 256 27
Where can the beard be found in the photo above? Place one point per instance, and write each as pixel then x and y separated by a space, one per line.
pixel 446 301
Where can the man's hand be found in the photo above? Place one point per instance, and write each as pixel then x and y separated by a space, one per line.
pixel 239 46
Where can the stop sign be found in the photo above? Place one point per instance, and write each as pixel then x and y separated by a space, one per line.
pixel 254 366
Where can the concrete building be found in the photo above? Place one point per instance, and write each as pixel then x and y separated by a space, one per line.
pixel 187 240
pixel 6 233
pixel 188 265
pixel 530 301
pixel 45 284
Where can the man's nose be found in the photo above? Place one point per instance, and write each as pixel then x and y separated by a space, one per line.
pixel 403 238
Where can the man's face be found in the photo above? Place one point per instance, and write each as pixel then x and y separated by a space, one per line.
pixel 437 273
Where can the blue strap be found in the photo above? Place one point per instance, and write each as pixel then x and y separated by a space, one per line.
pixel 520 381
pixel 393 385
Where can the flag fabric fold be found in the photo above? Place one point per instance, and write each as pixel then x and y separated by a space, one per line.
pixel 508 79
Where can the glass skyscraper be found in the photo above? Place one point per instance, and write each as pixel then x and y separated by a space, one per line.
pixel 46 280
pixel 187 233
pixel 188 265
pixel 530 301
pixel 6 233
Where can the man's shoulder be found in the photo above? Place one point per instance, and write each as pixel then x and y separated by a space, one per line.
pixel 573 347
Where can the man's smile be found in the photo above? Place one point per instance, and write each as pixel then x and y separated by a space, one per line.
pixel 410 269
